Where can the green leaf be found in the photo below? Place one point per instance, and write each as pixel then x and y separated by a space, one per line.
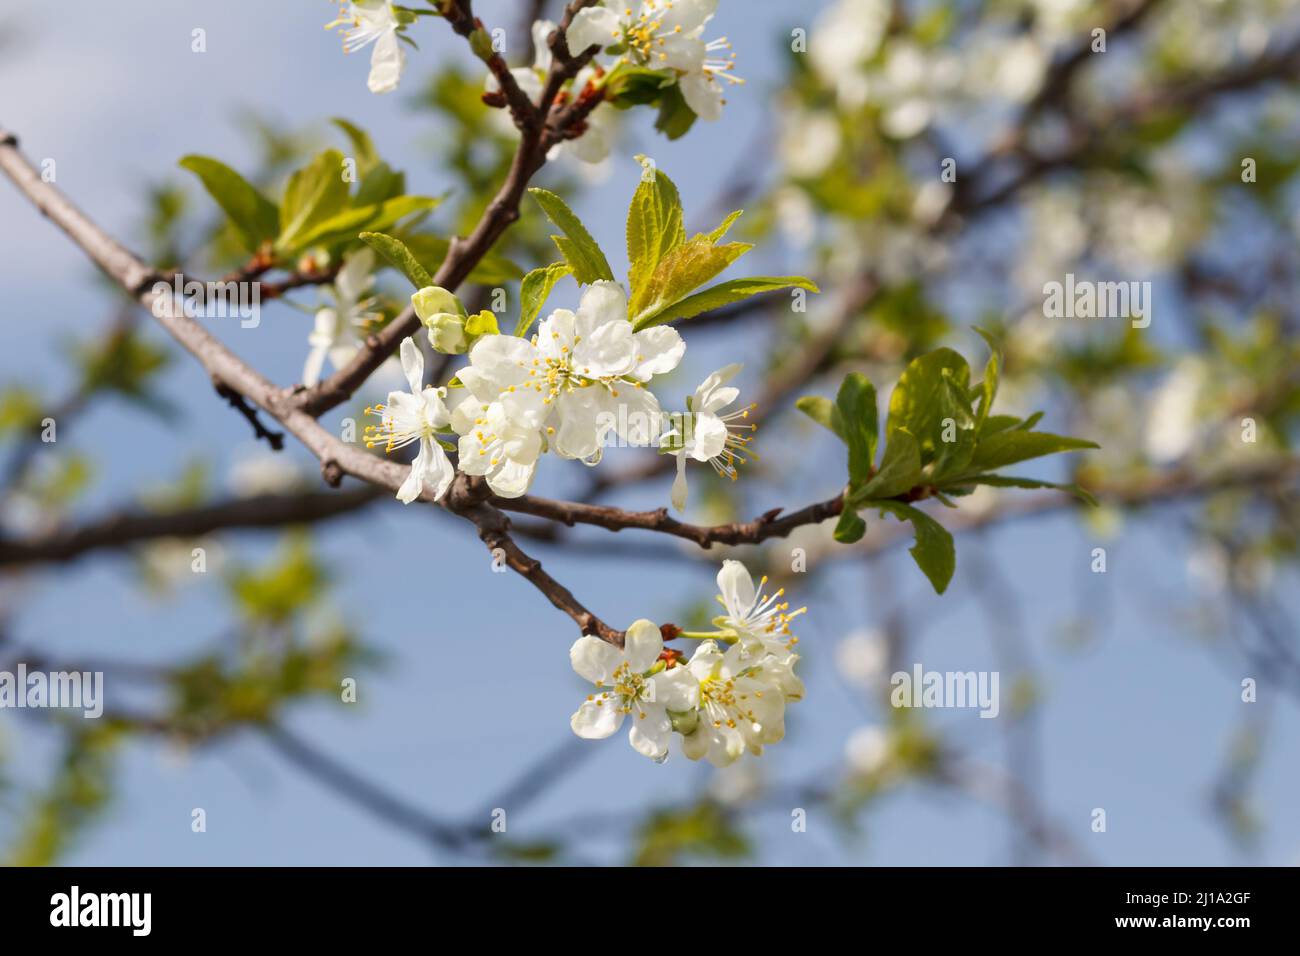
pixel 682 271
pixel 855 407
pixel 933 552
pixel 346 225
pixel 255 216
pixel 492 270
pixel 1011 481
pixel 314 194
pixel 675 116
pixel 722 294
pixel 534 290
pixel 931 400
pixel 822 411
pixel 997 423
pixel 396 252
pixel 628 85
pixel 1009 447
pixel 900 469
pixel 576 245
pixel 382 182
pixel 1030 422
pixel 850 527
pixel 363 147
pixel 989 387
pixel 725 226
pixel 654 224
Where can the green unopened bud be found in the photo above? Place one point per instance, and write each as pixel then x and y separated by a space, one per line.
pixel 432 300
pixel 480 42
pixel 684 721
pixel 447 333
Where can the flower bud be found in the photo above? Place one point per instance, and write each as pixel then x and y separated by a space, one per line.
pixel 444 317
pixel 447 333
pixel 685 722
pixel 432 300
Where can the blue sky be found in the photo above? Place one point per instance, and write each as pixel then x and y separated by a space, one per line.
pixel 1137 721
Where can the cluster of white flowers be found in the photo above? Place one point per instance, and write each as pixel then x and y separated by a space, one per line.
pixel 721 703
pixel 578 385
pixel 654 34
pixel 661 34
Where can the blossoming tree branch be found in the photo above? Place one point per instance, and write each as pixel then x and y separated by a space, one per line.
pixel 583 377
pixel 494 394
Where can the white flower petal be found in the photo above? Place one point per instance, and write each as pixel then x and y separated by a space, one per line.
pixel 511 479
pixel 594 25
pixel 311 369
pixel 593 659
pixel 596 719
pixel 677 689
pixel 643 645
pixel 650 735
pixel 658 350
pixel 436 470
pixel 737 588
pixel 386 63
pixel 703 95
pixel 708 437
pixel 412 365
pixel 602 302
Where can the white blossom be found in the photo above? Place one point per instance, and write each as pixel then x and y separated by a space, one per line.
pixel 415 416
pixel 663 34
pixel 337 334
pixel 373 21
pixel 581 377
pixel 632 681
pixel 705 433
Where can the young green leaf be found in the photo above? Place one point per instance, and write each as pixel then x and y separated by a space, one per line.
pixel 933 551
pixel 675 116
pixel 1012 481
pixel 931 400
pixel 576 245
pixel 1009 447
pixel 396 252
pixel 850 527
pixel 900 469
pixel 725 226
pixel 682 271
pixel 997 423
pixel 534 290
pixel 315 193
pixel 822 411
pixel 255 217
pixel 381 183
pixel 989 387
pixel 654 224
pixel 855 408
pixel 376 218
pixel 722 294
pixel 363 147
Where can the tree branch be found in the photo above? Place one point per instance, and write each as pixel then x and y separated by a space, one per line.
pixel 134 527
